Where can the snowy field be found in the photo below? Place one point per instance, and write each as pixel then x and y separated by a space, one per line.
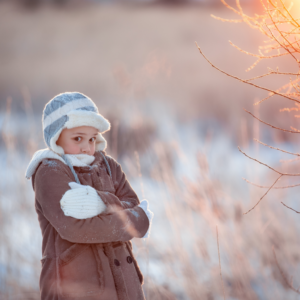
pixel 193 180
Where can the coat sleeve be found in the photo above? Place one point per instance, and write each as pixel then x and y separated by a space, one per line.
pixel 124 191
pixel 51 182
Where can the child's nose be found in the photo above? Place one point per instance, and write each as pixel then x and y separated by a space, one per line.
pixel 85 148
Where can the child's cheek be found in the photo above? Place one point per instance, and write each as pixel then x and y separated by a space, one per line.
pixel 72 148
pixel 76 149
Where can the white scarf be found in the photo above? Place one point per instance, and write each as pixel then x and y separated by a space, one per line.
pixel 80 160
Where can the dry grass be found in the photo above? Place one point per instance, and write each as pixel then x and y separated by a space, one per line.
pixel 180 260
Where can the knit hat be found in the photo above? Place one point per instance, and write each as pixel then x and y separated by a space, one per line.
pixel 69 110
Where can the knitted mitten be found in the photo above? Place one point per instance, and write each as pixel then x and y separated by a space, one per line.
pixel 81 202
pixel 145 206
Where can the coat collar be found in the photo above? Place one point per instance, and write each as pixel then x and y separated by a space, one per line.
pixel 39 155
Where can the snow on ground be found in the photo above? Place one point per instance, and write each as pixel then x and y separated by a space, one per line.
pixel 189 198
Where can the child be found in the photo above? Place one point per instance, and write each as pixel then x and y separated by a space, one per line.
pixel 87 210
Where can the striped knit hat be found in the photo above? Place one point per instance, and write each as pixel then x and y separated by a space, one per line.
pixel 69 110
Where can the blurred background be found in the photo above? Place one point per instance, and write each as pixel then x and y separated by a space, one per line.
pixel 176 124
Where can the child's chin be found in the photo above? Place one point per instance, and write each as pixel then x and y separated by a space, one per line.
pixel 78 153
pixel 72 153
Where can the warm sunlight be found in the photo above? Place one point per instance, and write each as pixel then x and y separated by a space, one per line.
pixel 149 149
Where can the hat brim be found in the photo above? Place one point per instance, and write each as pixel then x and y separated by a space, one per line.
pixel 79 118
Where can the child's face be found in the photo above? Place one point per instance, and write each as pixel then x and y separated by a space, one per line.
pixel 78 140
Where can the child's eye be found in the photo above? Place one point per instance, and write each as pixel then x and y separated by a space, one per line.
pixel 77 139
pixel 93 139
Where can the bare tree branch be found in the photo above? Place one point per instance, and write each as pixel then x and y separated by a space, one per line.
pixel 263 195
pixel 297 25
pixel 291 131
pixel 257 55
pixel 271 72
pixel 227 20
pixel 289 160
pixel 261 162
pixel 282 31
pixel 267 187
pixel 283 174
pixel 296 154
pixel 245 81
pixel 291 208
pixel 286 48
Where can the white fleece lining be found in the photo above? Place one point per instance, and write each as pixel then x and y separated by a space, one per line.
pixel 39 155
pixel 65 109
pixel 79 118
pixel 54 146
pixel 100 142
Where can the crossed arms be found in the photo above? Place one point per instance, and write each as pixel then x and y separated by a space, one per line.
pixel 118 224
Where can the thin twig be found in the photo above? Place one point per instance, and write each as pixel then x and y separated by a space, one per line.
pixel 298 212
pixel 282 14
pixel 295 129
pixel 264 195
pixel 297 24
pixel 260 76
pixel 289 160
pixel 276 47
pixel 296 87
pixel 260 162
pixel 264 99
pixel 271 72
pixel 227 20
pixel 283 46
pixel 291 131
pixel 267 187
pixel 220 263
pixel 242 80
pixel 289 109
pixel 296 154
pixel 283 174
pixel 260 56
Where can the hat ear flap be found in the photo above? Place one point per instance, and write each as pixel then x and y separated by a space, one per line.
pixel 54 146
pixel 100 142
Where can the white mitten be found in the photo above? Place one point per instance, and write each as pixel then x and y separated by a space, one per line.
pixel 75 185
pixel 145 206
pixel 81 202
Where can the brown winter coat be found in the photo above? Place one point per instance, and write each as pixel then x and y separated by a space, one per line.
pixel 89 258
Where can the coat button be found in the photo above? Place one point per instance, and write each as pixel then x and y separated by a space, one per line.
pixel 129 259
pixel 117 263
